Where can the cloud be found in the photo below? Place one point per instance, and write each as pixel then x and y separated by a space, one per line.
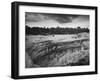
pixel 40 17
pixel 60 18
pixel 33 17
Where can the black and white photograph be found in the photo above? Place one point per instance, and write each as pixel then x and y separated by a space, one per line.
pixel 50 40
pixel 56 40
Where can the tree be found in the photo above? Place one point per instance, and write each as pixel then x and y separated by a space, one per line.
pixel 53 30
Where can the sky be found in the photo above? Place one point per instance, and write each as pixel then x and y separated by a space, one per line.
pixel 54 20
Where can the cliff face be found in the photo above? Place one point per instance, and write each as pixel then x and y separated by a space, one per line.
pixel 51 54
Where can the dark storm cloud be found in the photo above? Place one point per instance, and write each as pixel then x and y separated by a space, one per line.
pixel 62 18
pixel 39 17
